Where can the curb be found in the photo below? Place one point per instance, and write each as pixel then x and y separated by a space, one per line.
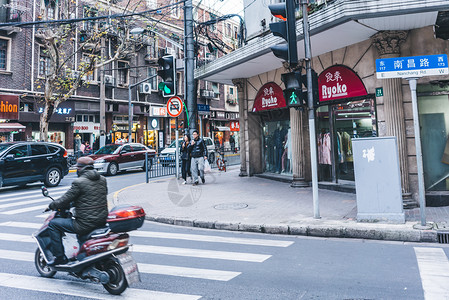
pixel 313 230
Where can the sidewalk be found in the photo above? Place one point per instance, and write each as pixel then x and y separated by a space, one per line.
pixel 254 204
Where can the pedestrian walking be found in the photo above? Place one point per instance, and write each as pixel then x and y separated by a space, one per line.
pixel 185 158
pixel 87 149
pixel 82 149
pixel 232 143
pixel 198 151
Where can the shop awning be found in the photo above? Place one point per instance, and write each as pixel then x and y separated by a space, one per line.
pixel 8 127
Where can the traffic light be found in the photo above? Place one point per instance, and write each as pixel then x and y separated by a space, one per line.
pixel 285 29
pixel 168 75
pixel 293 93
pixel 316 96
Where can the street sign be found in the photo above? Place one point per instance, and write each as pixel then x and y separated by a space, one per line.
pixel 412 66
pixel 174 106
pixel 379 92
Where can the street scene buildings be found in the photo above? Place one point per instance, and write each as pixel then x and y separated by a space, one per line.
pixel 26 62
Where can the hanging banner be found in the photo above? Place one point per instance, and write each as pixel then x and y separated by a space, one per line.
pixel 340 82
pixel 270 96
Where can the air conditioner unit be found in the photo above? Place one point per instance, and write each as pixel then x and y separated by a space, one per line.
pixel 109 80
pixel 145 88
pixel 170 51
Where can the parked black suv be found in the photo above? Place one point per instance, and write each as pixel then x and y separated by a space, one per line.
pixel 26 162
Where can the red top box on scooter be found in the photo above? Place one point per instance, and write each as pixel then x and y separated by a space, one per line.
pixel 125 218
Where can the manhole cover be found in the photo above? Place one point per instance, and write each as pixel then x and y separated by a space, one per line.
pixel 231 206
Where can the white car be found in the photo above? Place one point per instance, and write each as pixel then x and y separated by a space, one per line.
pixel 167 156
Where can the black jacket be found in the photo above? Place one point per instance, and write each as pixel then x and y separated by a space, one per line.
pixel 185 151
pixel 198 149
pixel 88 194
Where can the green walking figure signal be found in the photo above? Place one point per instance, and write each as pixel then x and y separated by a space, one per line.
pixel 293 98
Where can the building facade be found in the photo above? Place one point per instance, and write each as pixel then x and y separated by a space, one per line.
pixel 346 40
pixel 24 63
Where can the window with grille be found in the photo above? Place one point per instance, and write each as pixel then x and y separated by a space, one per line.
pixel 122 73
pixel 153 81
pixel 44 63
pixel 4 54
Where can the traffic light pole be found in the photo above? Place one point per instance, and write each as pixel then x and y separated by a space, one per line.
pixel 189 54
pixel 312 134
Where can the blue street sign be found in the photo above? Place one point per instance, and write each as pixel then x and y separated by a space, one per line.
pixel 203 107
pixel 412 66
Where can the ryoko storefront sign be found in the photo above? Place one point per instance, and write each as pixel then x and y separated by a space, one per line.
pixel 270 96
pixel 340 82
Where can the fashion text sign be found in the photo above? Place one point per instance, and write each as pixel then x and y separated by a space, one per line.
pixel 9 107
pixel 340 82
pixel 270 96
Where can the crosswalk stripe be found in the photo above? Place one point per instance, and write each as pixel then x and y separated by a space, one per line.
pixel 44 216
pixel 434 270
pixel 21 224
pixel 9 199
pixel 199 253
pixel 36 191
pixel 22 210
pixel 179 236
pixel 145 268
pixel 12 204
pixel 188 272
pixel 188 252
pixel 82 289
pixel 209 238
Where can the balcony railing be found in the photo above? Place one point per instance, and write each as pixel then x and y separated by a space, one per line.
pixel 9 15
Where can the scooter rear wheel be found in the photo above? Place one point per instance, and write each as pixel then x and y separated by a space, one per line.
pixel 117 282
pixel 41 265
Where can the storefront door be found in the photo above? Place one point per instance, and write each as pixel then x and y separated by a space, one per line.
pixel 337 125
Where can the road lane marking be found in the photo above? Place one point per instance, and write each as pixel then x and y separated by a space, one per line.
pixel 22 210
pixel 7 205
pixel 177 236
pixel 210 238
pixel 200 253
pixel 82 289
pixel 32 196
pixel 207 274
pixel 36 191
pixel 188 252
pixel 434 270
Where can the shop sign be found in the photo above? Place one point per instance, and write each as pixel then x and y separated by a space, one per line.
pixel 154 123
pixel 59 110
pixel 270 96
pixel 340 82
pixel 9 107
pixel 232 116
pixel 81 127
pixel 218 115
pixel 156 111
pixel 234 125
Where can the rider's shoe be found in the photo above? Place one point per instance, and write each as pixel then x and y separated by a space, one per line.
pixel 58 261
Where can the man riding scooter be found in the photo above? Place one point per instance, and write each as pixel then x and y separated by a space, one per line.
pixel 88 195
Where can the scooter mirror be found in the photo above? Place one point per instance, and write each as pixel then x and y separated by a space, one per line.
pixel 44 191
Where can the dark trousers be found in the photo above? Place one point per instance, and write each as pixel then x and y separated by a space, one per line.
pixel 57 227
pixel 185 169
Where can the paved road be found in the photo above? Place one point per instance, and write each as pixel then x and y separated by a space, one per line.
pixel 191 263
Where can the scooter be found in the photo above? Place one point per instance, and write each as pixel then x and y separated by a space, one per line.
pixel 100 256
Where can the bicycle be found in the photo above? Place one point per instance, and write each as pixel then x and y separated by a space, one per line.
pixel 221 162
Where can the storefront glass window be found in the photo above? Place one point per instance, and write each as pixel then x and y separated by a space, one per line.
pixel 434 121
pixel 277 147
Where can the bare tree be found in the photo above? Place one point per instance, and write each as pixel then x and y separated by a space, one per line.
pixel 71 52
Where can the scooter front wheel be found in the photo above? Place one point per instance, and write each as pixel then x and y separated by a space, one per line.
pixel 117 282
pixel 41 265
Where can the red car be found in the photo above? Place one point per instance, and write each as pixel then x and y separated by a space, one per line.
pixel 113 158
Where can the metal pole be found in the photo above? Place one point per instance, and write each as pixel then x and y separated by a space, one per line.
pixel 312 134
pixel 177 153
pixel 189 66
pixel 146 168
pixel 102 89
pixel 422 201
pixel 130 115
